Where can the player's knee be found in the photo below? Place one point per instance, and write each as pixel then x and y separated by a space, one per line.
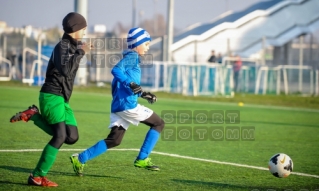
pixel 72 139
pixel 160 126
pixel 117 142
pixel 72 135
pixel 59 135
pixel 58 140
pixel 61 138
pixel 115 137
pixel 112 143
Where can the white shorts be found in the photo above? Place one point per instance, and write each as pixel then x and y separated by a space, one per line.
pixel 131 116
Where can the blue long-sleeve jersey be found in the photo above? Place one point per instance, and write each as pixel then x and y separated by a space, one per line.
pixel 125 71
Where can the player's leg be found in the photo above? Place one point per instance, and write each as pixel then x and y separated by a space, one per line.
pixel 113 139
pixel 54 113
pixel 236 78
pixel 147 116
pixel 33 114
pixel 72 134
pixel 156 126
pixel 40 122
pixel 48 156
pixel 71 126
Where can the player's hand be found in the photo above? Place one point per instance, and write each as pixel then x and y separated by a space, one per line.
pixel 135 88
pixel 86 47
pixel 151 98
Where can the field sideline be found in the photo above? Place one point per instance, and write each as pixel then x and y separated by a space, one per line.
pixel 185 164
pixel 168 154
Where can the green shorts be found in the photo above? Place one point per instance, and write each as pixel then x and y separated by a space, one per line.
pixel 55 110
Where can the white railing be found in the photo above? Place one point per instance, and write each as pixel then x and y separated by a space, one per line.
pixel 282 69
pixel 4 60
pixel 217 79
pixel 188 78
pixel 317 83
pixel 37 62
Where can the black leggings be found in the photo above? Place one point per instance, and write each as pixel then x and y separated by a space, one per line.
pixel 63 133
pixel 155 122
pixel 117 133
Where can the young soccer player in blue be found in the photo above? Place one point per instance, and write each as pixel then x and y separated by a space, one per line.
pixel 125 109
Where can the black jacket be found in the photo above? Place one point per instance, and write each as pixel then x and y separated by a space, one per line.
pixel 212 58
pixel 62 67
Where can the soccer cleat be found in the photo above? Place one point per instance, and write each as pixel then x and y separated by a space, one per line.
pixel 41 181
pixel 25 115
pixel 77 165
pixel 146 163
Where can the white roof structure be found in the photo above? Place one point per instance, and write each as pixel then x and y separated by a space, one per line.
pixel 278 21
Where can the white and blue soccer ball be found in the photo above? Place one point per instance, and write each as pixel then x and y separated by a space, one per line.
pixel 280 165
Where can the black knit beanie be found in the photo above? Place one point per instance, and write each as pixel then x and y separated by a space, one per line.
pixel 73 22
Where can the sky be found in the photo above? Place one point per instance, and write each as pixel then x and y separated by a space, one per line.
pixel 49 13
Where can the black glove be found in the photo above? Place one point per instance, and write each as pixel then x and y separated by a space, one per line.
pixel 151 98
pixel 135 88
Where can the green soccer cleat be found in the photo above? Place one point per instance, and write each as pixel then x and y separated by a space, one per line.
pixel 77 165
pixel 146 163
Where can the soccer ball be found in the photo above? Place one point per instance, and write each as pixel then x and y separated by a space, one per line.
pixel 280 165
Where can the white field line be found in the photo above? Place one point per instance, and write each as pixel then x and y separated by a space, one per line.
pixel 171 155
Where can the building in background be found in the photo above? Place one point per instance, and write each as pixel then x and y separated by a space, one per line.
pixel 267 30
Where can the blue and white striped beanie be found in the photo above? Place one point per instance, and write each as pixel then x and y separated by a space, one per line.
pixel 136 37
